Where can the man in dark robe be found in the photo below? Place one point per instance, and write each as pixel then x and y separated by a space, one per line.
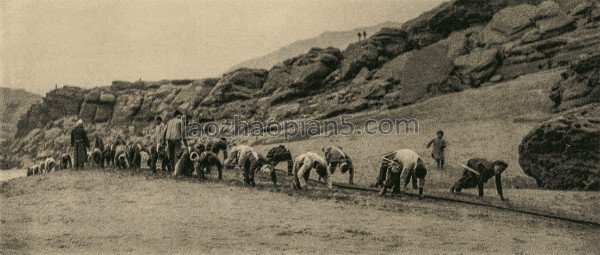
pixel 80 144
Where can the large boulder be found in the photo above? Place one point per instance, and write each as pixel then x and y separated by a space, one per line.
pixel 240 84
pixel 358 56
pixel 564 153
pixel 514 19
pixel 416 72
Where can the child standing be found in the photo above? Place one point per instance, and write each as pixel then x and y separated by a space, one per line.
pixel 439 144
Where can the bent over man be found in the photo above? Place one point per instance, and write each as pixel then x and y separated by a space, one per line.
pixel 304 163
pixel 251 162
pixel 235 154
pixel 479 172
pixel 336 158
pixel 402 166
pixel 281 154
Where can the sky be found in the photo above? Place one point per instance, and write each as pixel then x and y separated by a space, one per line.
pixel 91 43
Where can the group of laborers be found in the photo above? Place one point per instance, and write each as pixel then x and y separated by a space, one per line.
pixel 183 157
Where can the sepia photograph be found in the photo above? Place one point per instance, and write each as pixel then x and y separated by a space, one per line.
pixel 300 127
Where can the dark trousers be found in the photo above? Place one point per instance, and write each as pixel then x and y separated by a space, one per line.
pixel 153 159
pixel 173 151
pixel 467 181
pixel 80 155
pixel 250 168
pixel 379 182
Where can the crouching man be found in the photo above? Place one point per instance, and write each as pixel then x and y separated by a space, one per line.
pixel 281 154
pixel 50 164
pixel 120 159
pixel 401 167
pixel 204 161
pixel 304 163
pixel 65 161
pixel 234 155
pixel 337 159
pixel 478 173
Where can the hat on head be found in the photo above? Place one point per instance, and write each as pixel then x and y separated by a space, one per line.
pixel 79 122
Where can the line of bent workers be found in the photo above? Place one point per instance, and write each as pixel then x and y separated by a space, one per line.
pixel 182 157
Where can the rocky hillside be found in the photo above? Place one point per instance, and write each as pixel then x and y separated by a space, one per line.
pixel 13 104
pixel 564 153
pixel 460 45
pixel 336 39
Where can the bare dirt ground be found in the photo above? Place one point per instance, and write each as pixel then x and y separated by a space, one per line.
pixel 114 212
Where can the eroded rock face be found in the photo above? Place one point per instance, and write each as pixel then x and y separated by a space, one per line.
pixel 300 75
pixel 416 72
pixel 240 84
pixel 564 153
pixel 580 84
pixel 57 104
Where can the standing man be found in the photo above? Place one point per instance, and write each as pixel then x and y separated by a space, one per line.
pixel 174 138
pixel 402 166
pixel 79 143
pixel 364 35
pixel 359 36
pixel 158 142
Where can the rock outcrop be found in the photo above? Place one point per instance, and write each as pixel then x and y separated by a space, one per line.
pixel 240 84
pixel 462 44
pixel 564 153
pixel 580 85
pixel 301 75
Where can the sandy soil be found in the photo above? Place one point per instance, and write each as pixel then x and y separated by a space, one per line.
pixel 111 212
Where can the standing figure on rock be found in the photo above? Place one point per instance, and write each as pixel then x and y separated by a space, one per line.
pixel 80 144
pixel 400 167
pixel 364 35
pixel 158 141
pixel 174 138
pixel 359 36
pixel 336 158
pixel 303 164
pixel 478 173
pixel 281 154
pixel 437 152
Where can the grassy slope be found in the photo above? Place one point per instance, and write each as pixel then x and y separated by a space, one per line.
pixel 92 212
pixel 488 122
